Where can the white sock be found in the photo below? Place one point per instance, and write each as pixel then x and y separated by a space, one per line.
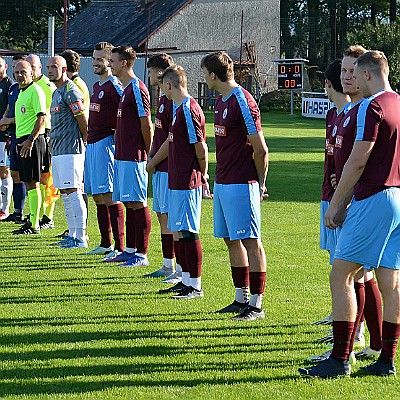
pixel 169 262
pixel 178 268
pixel 256 300
pixel 196 283
pixel 80 214
pixel 242 294
pixel 186 278
pixel 130 250
pixel 6 193
pixel 141 255
pixel 69 215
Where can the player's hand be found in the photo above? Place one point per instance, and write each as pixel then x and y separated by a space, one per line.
pixel 332 217
pixel 263 193
pixel 3 127
pixel 150 168
pixel 333 181
pixel 206 191
pixel 26 148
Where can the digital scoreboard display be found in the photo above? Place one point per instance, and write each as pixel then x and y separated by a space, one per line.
pixel 290 76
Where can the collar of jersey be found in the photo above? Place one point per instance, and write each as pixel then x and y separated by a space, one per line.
pixel 230 94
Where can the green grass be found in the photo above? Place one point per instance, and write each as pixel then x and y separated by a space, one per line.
pixel 72 327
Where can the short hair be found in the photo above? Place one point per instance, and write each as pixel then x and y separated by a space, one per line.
pixel 106 46
pixel 375 61
pixel 125 53
pixel 332 74
pixel 19 57
pixel 354 51
pixel 220 64
pixel 176 74
pixel 73 60
pixel 161 61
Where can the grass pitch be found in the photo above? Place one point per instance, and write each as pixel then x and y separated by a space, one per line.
pixel 72 327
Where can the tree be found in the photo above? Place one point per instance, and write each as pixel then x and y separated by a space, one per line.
pixel 23 23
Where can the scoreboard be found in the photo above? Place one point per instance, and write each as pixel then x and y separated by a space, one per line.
pixel 290 76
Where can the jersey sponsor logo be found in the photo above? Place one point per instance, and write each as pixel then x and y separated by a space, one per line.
pixel 94 107
pixel 329 150
pixel 101 94
pixel 170 137
pixel 23 109
pixel 346 121
pixel 158 123
pixel 119 113
pixel 334 131
pixel 76 107
pixel 161 109
pixel 225 113
pixel 219 130
pixel 339 141
pixel 55 109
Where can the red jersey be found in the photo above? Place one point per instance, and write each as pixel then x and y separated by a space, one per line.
pixel 344 138
pixel 161 129
pixel 103 109
pixel 378 121
pixel 134 104
pixel 236 117
pixel 187 129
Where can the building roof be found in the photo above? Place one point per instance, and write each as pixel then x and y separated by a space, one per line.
pixel 120 22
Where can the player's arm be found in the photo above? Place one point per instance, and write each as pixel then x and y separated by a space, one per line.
pixel 261 159
pixel 81 119
pixel 202 157
pixel 26 146
pixel 161 155
pixel 6 120
pixel 352 172
pixel 147 131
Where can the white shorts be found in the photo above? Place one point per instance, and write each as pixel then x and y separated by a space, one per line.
pixel 68 171
pixel 4 159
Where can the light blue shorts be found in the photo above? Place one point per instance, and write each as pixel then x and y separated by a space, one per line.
pixel 370 234
pixel 99 166
pixel 185 210
pixel 4 159
pixel 160 192
pixel 130 181
pixel 327 237
pixel 237 211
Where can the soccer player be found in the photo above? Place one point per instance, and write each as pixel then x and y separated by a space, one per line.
pixel 187 172
pixel 134 133
pixel 5 176
pixel 30 115
pixel 19 189
pixel 158 164
pixel 242 166
pixel 46 209
pixel 99 159
pixel 370 234
pixel 67 137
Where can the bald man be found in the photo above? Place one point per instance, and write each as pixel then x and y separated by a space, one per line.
pixel 67 139
pixel 30 114
pixel 46 210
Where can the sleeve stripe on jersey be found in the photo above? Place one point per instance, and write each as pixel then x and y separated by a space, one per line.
pixel 138 97
pixel 189 121
pixel 361 115
pixel 117 85
pixel 248 118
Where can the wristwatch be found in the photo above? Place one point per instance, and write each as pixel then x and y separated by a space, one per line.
pixel 31 138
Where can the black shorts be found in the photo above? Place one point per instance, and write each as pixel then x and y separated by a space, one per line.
pixel 14 159
pixel 31 168
pixel 47 154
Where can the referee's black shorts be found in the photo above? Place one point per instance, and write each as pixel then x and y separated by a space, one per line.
pixel 47 154
pixel 31 168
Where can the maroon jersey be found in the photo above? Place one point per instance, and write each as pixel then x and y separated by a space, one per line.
pixel 327 189
pixel 378 121
pixel 134 104
pixel 236 117
pixel 103 109
pixel 161 129
pixel 344 139
pixel 187 129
